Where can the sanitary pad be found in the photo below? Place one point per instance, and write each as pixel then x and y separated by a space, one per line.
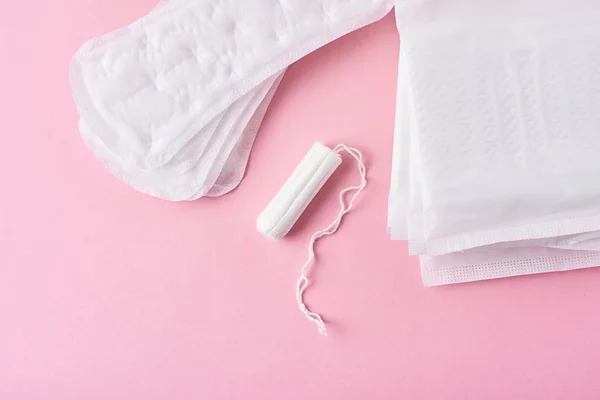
pixel 497 125
pixel 171 104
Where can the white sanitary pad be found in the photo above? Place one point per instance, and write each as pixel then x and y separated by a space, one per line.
pixel 171 104
pixel 498 119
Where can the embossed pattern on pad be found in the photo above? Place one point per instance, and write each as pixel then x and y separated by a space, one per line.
pixel 497 127
pixel 169 95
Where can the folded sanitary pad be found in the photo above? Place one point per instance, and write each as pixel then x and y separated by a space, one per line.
pixel 498 122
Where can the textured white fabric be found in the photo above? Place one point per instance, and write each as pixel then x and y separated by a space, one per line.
pixel 171 104
pixel 497 126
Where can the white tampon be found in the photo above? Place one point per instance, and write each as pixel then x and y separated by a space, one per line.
pixel 298 191
pixel 296 194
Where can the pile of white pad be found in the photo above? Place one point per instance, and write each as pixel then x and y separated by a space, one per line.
pixel 496 169
pixel 171 104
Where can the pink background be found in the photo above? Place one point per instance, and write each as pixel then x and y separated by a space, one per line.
pixel 109 294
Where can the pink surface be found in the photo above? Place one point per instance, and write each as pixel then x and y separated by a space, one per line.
pixel 109 294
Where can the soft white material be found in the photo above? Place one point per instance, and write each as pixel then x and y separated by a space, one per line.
pixel 495 172
pixel 171 104
pixel 298 191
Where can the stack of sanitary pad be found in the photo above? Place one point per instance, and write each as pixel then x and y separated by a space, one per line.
pixel 172 103
pixel 496 171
